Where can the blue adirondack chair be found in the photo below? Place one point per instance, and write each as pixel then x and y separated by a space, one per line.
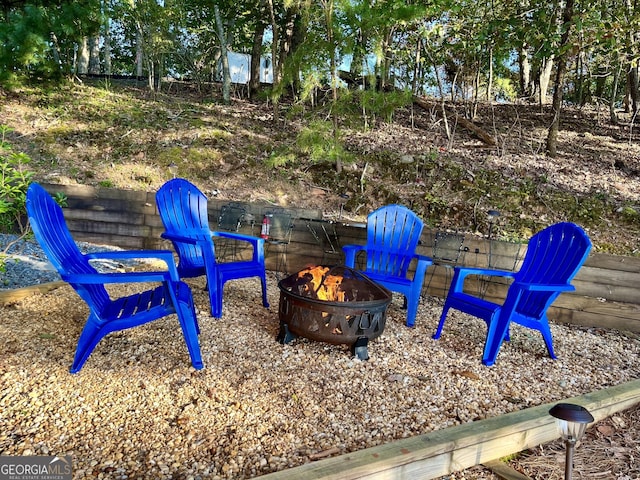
pixel 183 210
pixel 554 256
pixel 108 315
pixel 393 232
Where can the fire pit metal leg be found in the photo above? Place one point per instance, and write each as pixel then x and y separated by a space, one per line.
pixel 359 348
pixel 284 335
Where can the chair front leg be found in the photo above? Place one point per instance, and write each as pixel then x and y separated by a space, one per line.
pixel 263 281
pixel 190 330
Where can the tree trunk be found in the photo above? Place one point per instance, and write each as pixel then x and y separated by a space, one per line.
pixel 490 80
pixel 275 41
pixel 632 81
pixel 525 73
pixel 139 51
pixel 543 80
pixel 286 40
pixel 256 57
pixel 328 21
pixel 416 70
pixel 55 49
pixel 387 58
pixel 427 106
pixel 83 57
pixel 107 48
pixel 357 67
pixel 441 91
pixel 614 93
pixel 552 137
pixel 601 81
pixel 224 51
pixel 631 51
pixel 94 55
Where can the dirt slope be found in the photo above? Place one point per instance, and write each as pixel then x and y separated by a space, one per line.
pixel 118 136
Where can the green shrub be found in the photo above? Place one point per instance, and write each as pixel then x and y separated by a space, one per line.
pixel 320 142
pixel 14 181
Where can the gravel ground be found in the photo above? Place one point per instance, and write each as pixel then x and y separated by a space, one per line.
pixel 139 410
pixel 26 264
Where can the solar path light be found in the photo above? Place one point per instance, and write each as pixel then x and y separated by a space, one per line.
pixel 173 169
pixel 572 422
pixel 492 218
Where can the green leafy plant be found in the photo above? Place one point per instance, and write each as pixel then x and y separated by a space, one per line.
pixel 14 181
pixel 280 158
pixel 319 141
pixel 384 104
pixel 61 199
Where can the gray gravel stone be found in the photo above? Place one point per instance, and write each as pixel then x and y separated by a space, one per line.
pixel 26 263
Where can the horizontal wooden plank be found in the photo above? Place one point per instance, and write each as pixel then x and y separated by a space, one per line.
pixel 611 316
pixel 123 216
pixel 258 210
pixel 17 294
pixel 604 276
pixel 122 241
pixel 614 293
pixel 620 263
pixel 89 192
pixel 109 229
pixel 114 206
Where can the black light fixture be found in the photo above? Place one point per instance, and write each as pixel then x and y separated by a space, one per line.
pixel 492 218
pixel 173 169
pixel 572 422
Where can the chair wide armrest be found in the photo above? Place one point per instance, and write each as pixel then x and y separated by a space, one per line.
pixel 461 273
pixel 240 237
pixel 350 252
pixel 165 256
pixel 423 263
pixel 423 259
pixel 124 277
pixel 466 271
pixel 536 287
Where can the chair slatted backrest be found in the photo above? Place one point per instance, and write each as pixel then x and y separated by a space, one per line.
pixel 393 233
pixel 554 256
pixel 183 210
pixel 51 231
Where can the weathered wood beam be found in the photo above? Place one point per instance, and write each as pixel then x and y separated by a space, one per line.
pixel 17 294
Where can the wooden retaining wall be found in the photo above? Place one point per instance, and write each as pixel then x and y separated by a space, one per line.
pixel 607 287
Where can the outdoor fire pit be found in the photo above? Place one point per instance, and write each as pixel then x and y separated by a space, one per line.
pixel 336 305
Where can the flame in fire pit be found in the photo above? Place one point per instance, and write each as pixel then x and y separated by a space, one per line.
pixel 323 286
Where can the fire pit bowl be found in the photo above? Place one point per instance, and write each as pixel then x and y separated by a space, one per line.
pixel 336 305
